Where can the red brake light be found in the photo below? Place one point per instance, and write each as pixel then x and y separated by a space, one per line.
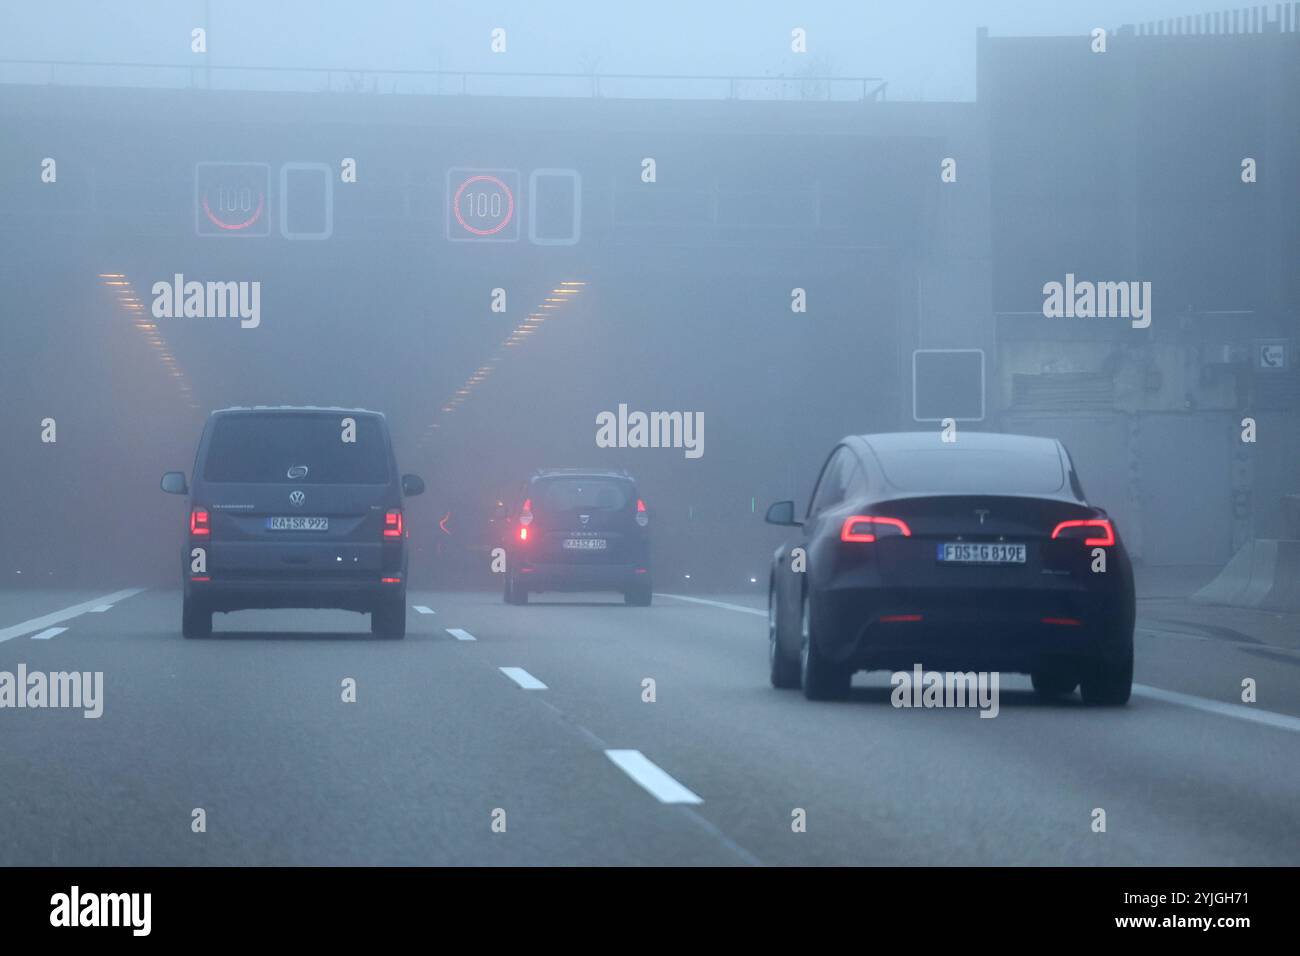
pixel 642 518
pixel 199 521
pixel 1107 531
pixel 526 514
pixel 866 528
pixel 393 523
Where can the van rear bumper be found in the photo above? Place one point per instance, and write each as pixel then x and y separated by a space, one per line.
pixel 346 593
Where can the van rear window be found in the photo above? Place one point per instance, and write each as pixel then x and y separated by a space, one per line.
pixel 296 449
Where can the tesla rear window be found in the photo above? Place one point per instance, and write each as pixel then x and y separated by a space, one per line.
pixel 275 449
pixel 589 494
pixel 973 471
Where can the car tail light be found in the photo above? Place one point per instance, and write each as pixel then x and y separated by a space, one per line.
pixel 642 517
pixel 523 534
pixel 867 528
pixel 393 523
pixel 900 619
pixel 390 580
pixel 1093 531
pixel 526 513
pixel 199 521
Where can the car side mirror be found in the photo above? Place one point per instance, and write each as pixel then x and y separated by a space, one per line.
pixel 412 485
pixel 782 513
pixel 173 482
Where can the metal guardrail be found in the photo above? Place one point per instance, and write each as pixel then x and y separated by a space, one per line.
pixel 440 82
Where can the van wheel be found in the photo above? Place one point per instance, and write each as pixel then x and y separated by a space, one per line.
pixel 1109 681
pixel 388 619
pixel 515 594
pixel 639 595
pixel 196 620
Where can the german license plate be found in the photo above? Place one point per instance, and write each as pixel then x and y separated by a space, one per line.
pixel 297 523
pixel 584 544
pixel 961 552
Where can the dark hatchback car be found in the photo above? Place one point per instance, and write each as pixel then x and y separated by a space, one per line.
pixel 295 508
pixel 578 530
pixel 982 554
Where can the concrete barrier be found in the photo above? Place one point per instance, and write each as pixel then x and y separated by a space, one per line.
pixel 1263 574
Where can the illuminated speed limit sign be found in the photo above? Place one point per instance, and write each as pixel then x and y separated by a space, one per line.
pixel 231 199
pixel 482 205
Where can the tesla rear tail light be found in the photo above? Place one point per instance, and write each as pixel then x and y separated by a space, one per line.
pixel 199 521
pixel 867 528
pixel 526 514
pixel 642 516
pixel 1093 531
pixel 523 534
pixel 393 523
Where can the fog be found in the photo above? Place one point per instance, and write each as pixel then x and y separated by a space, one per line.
pixel 796 244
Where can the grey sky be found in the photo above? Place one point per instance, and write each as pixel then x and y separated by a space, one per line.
pixel 924 48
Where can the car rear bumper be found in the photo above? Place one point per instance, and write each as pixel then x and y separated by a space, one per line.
pixel 581 577
pixel 348 593
pixel 1018 630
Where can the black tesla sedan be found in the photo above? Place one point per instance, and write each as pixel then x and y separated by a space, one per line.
pixel 977 554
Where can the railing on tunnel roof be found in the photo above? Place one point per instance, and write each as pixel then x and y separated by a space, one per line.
pixel 292 79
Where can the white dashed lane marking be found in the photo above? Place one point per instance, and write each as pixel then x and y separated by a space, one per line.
pixel 46 634
pixel 652 778
pixel 461 635
pixel 721 604
pixel 521 677
pixel 421 609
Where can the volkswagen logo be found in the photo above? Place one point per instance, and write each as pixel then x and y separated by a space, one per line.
pixel 297 473
pixel 297 498
pixel 584 519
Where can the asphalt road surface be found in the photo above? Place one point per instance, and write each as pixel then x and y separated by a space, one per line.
pixel 533 721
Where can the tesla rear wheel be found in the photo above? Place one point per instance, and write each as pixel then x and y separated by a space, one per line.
pixel 1109 682
pixel 639 595
pixel 196 620
pixel 388 619
pixel 783 670
pixel 821 679
pixel 1052 684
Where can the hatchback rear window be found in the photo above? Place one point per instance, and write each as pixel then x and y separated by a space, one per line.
pixel 984 471
pixel 587 494
pixel 296 449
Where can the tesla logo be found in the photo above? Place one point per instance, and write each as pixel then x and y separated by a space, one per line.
pixel 584 518
pixel 983 513
pixel 297 498
pixel 297 472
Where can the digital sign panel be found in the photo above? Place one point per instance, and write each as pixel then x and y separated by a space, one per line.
pixel 554 207
pixel 232 199
pixel 306 201
pixel 482 205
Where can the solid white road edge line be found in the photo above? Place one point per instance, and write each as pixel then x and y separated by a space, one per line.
pixel 721 604
pixel 58 617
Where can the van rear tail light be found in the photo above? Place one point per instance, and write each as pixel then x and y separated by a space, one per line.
pixel 867 528
pixel 1095 532
pixel 526 513
pixel 523 534
pixel 393 523
pixel 642 516
pixel 199 522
